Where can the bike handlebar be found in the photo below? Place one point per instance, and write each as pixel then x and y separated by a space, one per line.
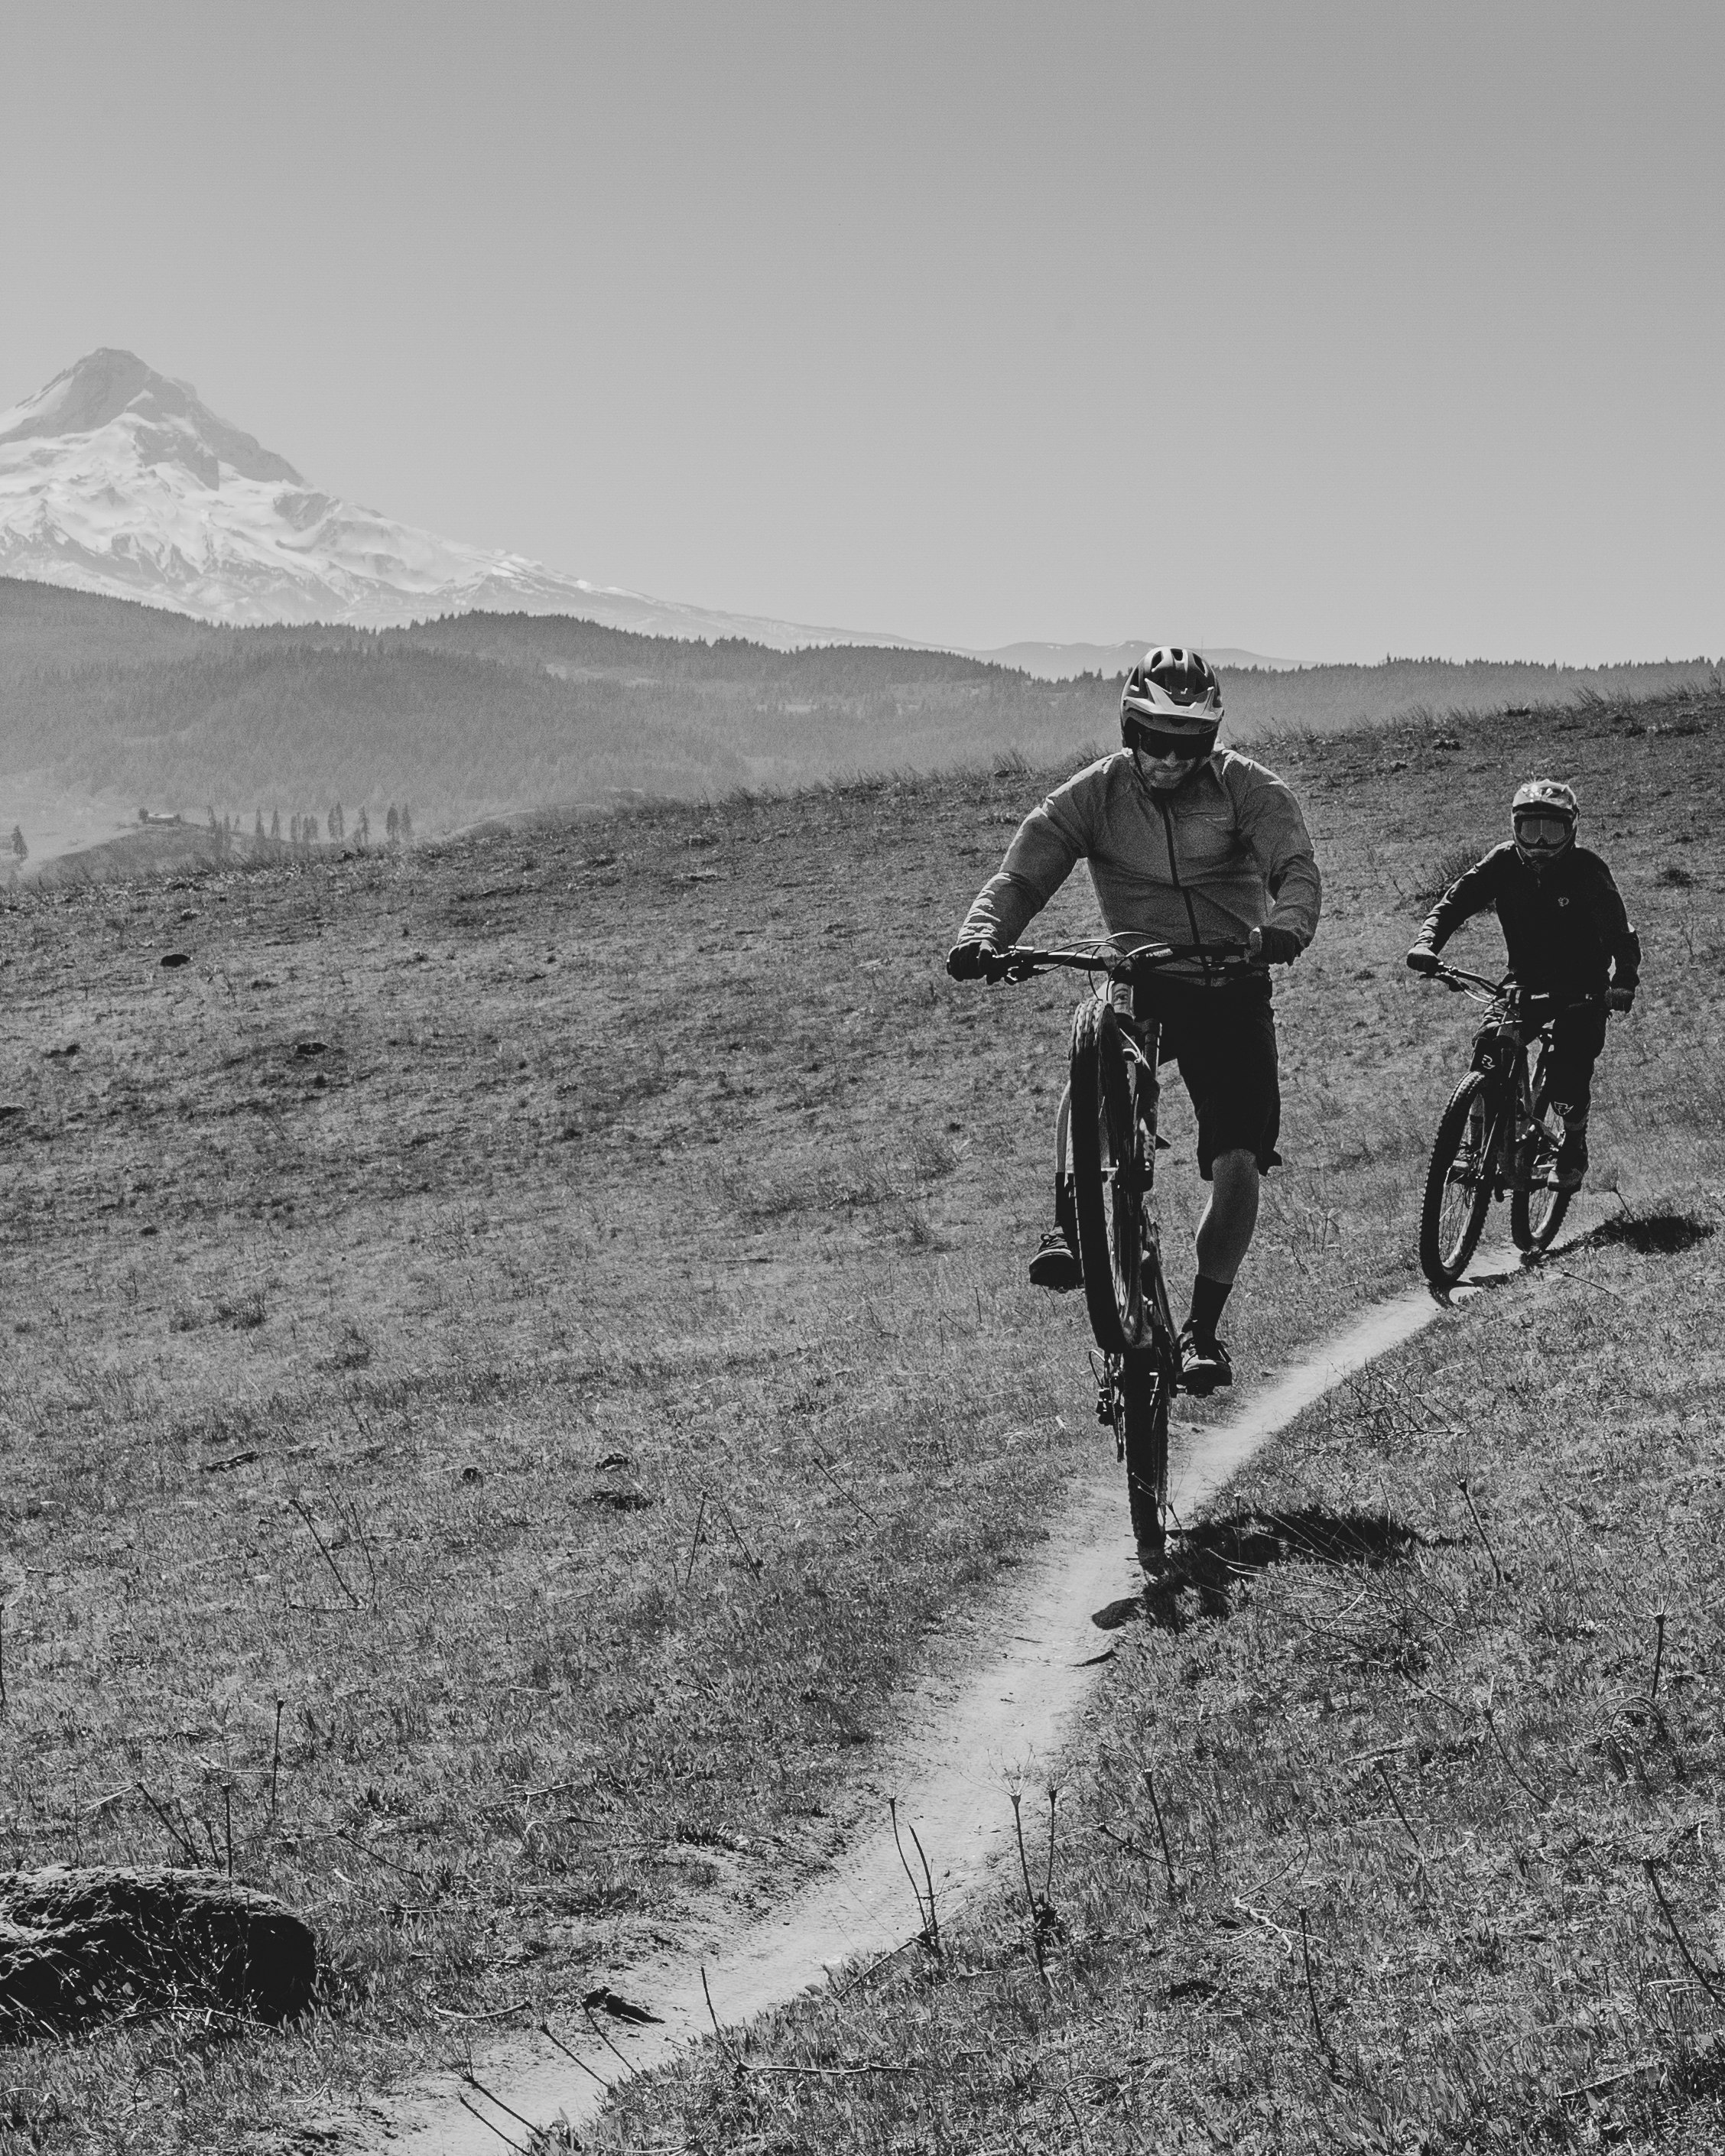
pixel 1460 982
pixel 1022 962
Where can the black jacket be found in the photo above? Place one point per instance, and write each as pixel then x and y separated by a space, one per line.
pixel 1564 924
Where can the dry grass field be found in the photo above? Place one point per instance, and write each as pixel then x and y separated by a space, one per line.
pixel 512 1351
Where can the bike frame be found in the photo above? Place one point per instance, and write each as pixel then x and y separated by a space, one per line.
pixel 1141 1037
pixel 1514 1014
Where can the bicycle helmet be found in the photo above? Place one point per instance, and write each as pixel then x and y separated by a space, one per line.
pixel 1543 816
pixel 1171 700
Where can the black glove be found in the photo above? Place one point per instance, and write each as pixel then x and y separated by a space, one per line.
pixel 1278 946
pixel 968 961
pixel 1620 996
pixel 1422 959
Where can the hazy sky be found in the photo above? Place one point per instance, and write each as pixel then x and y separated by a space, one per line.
pixel 1328 329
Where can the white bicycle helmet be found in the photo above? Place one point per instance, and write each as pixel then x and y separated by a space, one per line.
pixel 1172 703
pixel 1543 816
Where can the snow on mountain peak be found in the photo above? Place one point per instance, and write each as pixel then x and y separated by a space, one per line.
pixel 116 479
pixel 164 419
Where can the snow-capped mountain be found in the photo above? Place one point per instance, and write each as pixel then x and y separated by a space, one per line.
pixel 114 479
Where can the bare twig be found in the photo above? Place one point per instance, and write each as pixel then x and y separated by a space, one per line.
pixel 1516 1775
pixel 1389 1789
pixel 1582 1280
pixel 1665 1908
pixel 1318 2026
pixel 1608 2080
pixel 341 1576
pixel 924 1917
pixel 700 1520
pixel 1161 1831
pixel 228 1822
pixel 726 2050
pixel 1658 1656
pixel 275 1760
pixel 190 1847
pixel 841 2073
pixel 1048 1874
pixel 753 1563
pixel 1035 1913
pixel 1072 2108
pixel 1498 1572
pixel 863 1975
pixel 934 1929
pixel 849 1495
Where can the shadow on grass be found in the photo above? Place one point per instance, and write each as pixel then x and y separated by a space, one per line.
pixel 1212 1561
pixel 1659 1232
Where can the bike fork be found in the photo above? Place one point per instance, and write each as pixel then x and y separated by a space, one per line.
pixel 1111 1410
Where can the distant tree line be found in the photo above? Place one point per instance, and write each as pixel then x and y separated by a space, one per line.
pixel 475 714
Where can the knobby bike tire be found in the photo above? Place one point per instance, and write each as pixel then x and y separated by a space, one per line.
pixel 1144 1390
pixel 1110 1208
pixel 1446 1244
pixel 1537 1212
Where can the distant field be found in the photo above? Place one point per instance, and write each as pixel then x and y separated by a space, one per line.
pixel 1263 705
pixel 610 1238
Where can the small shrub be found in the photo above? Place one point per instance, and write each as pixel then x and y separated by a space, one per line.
pixel 1429 884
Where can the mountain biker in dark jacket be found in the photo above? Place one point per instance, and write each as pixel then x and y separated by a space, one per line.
pixel 1567 932
pixel 1187 843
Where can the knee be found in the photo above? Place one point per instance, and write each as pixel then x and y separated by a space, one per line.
pixel 1235 1170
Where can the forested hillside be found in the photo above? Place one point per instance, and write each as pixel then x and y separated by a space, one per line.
pixel 476 714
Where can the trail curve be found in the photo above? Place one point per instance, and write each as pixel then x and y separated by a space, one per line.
pixel 1011 1710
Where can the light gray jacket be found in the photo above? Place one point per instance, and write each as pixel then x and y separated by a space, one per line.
pixel 1228 852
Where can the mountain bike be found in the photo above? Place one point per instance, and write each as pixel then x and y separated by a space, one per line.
pixel 1496 1136
pixel 1112 1099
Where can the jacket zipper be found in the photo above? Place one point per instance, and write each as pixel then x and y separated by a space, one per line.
pixel 1173 869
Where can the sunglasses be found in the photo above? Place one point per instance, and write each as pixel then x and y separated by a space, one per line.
pixel 1188 748
pixel 1542 830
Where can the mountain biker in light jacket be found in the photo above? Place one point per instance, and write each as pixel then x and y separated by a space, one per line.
pixel 1186 843
pixel 1566 930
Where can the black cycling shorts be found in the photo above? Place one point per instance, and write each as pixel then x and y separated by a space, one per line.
pixel 1224 1041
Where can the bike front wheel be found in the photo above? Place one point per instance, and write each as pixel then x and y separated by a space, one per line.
pixel 1144 1388
pixel 1458 1184
pixel 1536 1207
pixel 1108 1184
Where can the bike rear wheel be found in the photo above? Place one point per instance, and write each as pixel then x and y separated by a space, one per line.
pixel 1458 1183
pixel 1537 1209
pixel 1144 1386
pixel 1108 1185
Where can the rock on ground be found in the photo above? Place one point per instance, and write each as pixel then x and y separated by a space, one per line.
pixel 83 1946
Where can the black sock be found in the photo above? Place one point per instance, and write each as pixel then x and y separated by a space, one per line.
pixel 1065 1209
pixel 1208 1297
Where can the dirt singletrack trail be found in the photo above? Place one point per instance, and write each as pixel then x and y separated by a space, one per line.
pixel 968 1736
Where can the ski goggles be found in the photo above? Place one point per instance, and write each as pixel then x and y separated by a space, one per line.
pixel 1152 741
pixel 1538 829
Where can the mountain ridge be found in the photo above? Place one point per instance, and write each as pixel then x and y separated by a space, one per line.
pixel 118 480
